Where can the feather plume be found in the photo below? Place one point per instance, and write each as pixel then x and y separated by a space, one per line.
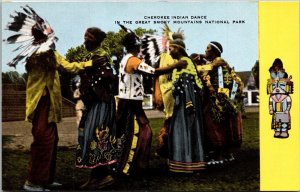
pixel 18 38
pixel 166 31
pixel 178 35
pixel 151 49
pixel 153 46
pixel 126 29
pixel 33 32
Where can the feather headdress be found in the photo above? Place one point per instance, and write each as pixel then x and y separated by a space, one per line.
pixel 177 39
pixel 178 35
pixel 153 46
pixel 33 33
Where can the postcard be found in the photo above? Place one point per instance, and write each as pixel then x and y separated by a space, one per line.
pixel 252 37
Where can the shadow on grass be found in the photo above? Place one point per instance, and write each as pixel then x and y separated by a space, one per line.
pixel 7 139
pixel 242 175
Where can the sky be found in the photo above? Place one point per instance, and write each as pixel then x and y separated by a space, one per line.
pixel 69 21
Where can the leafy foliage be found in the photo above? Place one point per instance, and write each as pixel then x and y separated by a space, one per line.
pixel 76 54
pixel 113 42
pixel 13 77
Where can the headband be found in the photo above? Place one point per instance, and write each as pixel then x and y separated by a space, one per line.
pixel 176 45
pixel 215 46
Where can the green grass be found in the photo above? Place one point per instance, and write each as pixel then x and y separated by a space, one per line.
pixel 243 175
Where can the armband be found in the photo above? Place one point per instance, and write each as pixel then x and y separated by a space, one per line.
pixel 146 68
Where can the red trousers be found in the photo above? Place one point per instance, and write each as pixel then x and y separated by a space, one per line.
pixel 44 147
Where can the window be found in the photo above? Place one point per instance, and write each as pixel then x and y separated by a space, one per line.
pixel 251 97
pixel 148 101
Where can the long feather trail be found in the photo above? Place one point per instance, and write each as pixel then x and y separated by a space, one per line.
pixel 19 38
pixel 23 22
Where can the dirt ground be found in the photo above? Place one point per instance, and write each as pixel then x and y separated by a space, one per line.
pixel 19 132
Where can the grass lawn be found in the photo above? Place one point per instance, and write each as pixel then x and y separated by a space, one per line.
pixel 243 175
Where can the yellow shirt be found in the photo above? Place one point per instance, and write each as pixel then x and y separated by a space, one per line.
pixel 38 80
pixel 190 69
pixel 165 85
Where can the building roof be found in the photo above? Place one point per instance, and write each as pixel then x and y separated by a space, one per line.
pixel 244 75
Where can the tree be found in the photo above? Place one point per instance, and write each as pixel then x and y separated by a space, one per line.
pixel 13 77
pixel 77 54
pixel 255 72
pixel 113 42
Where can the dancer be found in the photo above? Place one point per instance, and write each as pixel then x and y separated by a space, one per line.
pixel 98 145
pixel 186 153
pixel 163 96
pixel 223 92
pixel 43 93
pixel 131 118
